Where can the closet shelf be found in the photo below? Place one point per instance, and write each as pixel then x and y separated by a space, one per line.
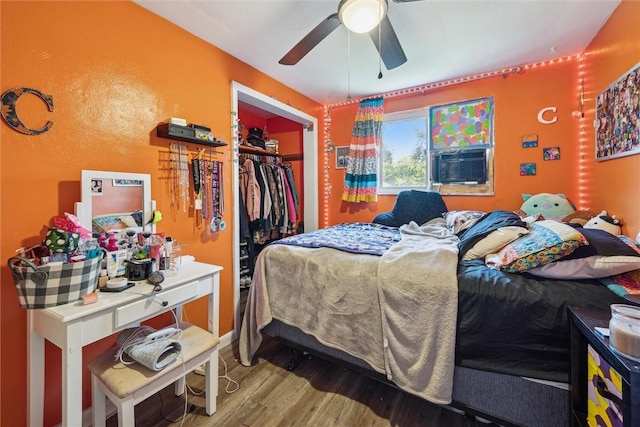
pixel 254 150
pixel 184 133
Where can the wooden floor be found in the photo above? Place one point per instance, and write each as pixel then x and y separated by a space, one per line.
pixel 316 393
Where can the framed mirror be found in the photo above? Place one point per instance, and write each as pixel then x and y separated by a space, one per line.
pixel 114 201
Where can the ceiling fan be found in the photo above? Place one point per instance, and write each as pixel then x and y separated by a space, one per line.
pixel 360 16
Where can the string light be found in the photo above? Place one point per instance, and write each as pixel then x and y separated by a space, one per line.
pixel 445 83
pixel 327 167
pixel 502 72
pixel 583 151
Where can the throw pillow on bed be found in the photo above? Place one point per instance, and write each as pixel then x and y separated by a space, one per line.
pixel 458 221
pixel 546 242
pixel 128 220
pixel 495 241
pixel 606 255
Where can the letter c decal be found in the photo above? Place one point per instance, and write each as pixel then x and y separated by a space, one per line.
pixel 544 121
pixel 10 114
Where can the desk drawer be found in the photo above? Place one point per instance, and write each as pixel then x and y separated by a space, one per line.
pixel 154 304
pixel 605 405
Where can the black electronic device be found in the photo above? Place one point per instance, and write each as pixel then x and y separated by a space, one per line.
pixel 120 289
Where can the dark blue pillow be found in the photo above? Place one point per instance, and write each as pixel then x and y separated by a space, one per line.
pixel 601 243
pixel 137 216
pixel 413 205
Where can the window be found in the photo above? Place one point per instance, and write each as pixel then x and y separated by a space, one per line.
pixel 403 159
pixel 445 148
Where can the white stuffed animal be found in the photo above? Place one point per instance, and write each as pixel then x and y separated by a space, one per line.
pixel 602 221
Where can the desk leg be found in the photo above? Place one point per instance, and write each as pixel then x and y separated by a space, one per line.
pixel 214 328
pixel 35 380
pixel 72 376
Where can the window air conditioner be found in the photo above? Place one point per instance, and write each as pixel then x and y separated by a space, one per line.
pixel 467 166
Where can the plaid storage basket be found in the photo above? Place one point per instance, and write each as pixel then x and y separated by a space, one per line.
pixel 50 285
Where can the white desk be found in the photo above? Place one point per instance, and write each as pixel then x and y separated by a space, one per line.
pixel 72 326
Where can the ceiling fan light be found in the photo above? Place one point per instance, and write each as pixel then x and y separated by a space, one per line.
pixel 362 16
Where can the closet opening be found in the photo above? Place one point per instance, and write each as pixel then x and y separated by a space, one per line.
pixel 276 139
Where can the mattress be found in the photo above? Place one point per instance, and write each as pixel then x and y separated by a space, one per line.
pixel 518 324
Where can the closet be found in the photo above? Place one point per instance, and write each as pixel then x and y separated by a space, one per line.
pixel 269 205
pixel 270 185
pixel 296 135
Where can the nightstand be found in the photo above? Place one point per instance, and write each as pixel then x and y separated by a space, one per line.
pixel 600 375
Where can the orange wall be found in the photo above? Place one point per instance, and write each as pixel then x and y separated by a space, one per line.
pixel 113 83
pixel 289 136
pixel 517 99
pixel 614 184
pixel 115 71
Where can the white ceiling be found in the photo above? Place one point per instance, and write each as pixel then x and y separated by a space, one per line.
pixel 442 39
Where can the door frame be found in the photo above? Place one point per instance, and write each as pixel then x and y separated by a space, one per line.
pixel 244 94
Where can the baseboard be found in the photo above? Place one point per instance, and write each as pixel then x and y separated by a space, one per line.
pixel 227 339
pixel 87 416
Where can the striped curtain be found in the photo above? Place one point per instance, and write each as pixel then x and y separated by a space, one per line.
pixel 361 180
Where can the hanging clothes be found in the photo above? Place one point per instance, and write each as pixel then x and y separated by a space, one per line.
pixel 270 196
pixel 250 190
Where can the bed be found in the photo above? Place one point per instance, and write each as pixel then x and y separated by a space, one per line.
pixel 116 221
pixel 403 305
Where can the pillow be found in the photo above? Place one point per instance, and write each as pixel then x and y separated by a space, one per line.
pixel 413 205
pixel 137 216
pixel 606 255
pixel 604 243
pixel 546 242
pixel 529 219
pixel 593 267
pixel 458 221
pixel 623 284
pixel 532 218
pixel 630 242
pixel 495 241
pixel 129 221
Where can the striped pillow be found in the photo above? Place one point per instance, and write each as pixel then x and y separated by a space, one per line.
pixel 546 242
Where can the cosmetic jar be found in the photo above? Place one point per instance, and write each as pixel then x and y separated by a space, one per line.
pixel 624 330
pixel 139 269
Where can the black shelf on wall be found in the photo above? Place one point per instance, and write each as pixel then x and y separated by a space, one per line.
pixel 184 133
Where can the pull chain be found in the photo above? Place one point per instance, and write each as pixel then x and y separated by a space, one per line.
pixel 348 65
pixel 379 40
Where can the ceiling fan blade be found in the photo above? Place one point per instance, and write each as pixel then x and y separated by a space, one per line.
pixel 310 41
pixel 392 54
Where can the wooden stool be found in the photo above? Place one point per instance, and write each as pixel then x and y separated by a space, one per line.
pixel 128 385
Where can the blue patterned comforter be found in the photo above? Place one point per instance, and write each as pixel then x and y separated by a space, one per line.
pixel 357 238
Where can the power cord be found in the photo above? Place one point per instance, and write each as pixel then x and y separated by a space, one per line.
pixel 228 378
pixel 139 335
pixel 200 370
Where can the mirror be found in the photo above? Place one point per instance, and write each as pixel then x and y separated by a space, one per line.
pixel 114 201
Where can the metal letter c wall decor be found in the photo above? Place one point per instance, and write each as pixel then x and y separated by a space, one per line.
pixel 10 114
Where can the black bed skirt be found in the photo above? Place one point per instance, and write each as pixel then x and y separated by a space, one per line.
pixel 505 399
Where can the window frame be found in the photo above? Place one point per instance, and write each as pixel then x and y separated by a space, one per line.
pixel 399 116
pixel 481 189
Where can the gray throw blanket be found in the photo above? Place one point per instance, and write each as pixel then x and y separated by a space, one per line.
pixel 418 290
pixel 397 312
